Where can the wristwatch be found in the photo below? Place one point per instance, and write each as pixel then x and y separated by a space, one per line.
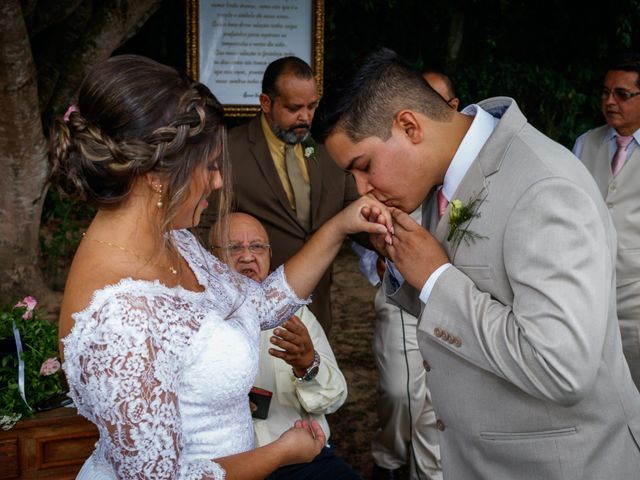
pixel 312 371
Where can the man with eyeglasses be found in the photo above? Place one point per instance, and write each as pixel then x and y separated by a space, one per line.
pixel 611 154
pixel 297 369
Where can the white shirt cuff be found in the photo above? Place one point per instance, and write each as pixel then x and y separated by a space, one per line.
pixel 425 293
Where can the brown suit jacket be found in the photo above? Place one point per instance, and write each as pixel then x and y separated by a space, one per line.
pixel 258 191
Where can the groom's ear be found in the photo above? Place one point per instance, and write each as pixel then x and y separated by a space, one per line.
pixel 409 124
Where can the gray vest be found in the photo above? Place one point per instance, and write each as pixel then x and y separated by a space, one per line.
pixel 622 195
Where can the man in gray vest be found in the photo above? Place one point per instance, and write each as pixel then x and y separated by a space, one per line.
pixel 611 154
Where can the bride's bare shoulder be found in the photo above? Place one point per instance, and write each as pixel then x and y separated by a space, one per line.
pixel 90 271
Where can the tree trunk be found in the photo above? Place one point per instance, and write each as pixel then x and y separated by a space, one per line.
pixel 454 40
pixel 23 146
pixel 23 160
pixel 112 23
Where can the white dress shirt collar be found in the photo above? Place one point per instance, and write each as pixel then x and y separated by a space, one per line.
pixel 613 146
pixel 612 134
pixel 481 129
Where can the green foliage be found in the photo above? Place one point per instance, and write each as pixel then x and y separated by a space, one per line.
pixel 550 56
pixel 63 222
pixel 555 102
pixel 39 343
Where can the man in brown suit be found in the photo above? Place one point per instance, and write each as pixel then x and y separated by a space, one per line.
pixel 280 175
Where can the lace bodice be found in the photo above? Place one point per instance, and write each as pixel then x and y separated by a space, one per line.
pixel 164 372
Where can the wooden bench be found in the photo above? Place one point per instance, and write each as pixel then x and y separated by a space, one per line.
pixel 51 445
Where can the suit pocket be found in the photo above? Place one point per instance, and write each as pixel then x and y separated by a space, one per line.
pixel 476 272
pixel 481 275
pixel 515 436
pixel 628 265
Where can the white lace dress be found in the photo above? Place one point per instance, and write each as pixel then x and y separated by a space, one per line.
pixel 164 373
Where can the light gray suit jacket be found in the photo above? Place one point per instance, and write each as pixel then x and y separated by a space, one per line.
pixel 520 336
pixel 622 195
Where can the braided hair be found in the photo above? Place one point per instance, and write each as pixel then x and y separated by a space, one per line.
pixel 136 116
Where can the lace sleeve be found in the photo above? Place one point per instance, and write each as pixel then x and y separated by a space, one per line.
pixel 127 362
pixel 271 302
pixel 281 300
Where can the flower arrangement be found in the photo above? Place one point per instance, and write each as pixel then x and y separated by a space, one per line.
pixel 309 149
pixel 29 368
pixel 460 215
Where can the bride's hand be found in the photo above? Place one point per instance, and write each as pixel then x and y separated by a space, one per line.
pixel 302 442
pixel 367 214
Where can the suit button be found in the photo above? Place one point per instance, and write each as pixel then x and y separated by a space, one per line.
pixel 612 187
pixel 452 340
pixel 426 365
pixel 458 343
pixel 609 204
pixel 437 332
pixel 445 336
pixel 440 425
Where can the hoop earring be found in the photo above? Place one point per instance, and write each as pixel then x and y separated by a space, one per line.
pixel 159 192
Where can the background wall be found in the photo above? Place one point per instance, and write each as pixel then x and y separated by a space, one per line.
pixel 549 55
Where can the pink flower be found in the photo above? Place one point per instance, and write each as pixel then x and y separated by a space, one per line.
pixel 50 366
pixel 28 302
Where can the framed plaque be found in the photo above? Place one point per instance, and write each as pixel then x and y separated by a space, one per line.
pixel 231 42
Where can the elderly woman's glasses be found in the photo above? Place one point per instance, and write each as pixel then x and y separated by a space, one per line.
pixel 256 248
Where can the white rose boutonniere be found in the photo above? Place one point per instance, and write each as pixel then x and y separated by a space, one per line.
pixel 460 215
pixel 309 149
pixel 309 152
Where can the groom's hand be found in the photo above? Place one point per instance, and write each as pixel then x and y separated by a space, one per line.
pixel 415 252
pixel 380 240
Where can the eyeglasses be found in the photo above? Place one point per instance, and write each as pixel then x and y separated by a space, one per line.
pixel 450 100
pixel 619 94
pixel 237 248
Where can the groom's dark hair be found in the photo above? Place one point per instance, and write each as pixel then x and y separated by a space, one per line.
pixel 381 86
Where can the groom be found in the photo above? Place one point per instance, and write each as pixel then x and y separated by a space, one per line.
pixel 513 282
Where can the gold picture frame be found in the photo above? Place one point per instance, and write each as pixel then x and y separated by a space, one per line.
pixel 226 19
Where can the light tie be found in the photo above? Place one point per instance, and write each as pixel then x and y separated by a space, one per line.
pixel 443 203
pixel 621 153
pixel 301 189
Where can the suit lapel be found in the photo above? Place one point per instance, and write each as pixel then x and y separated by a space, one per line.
pixel 262 155
pixel 476 181
pixel 473 184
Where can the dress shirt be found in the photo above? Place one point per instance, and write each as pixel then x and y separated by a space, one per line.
pixel 367 263
pixel 294 399
pixel 276 148
pixel 369 258
pixel 481 129
pixel 611 138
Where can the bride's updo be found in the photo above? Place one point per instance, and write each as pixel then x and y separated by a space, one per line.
pixel 135 116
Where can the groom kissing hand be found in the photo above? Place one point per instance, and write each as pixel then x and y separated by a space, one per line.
pixel 511 274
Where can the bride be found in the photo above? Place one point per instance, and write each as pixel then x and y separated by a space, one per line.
pixel 160 339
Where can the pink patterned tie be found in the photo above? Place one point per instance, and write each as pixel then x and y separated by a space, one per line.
pixel 621 153
pixel 442 203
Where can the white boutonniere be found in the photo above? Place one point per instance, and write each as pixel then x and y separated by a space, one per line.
pixel 460 215
pixel 309 152
pixel 309 149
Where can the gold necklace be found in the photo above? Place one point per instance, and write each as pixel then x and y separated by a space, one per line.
pixel 171 268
